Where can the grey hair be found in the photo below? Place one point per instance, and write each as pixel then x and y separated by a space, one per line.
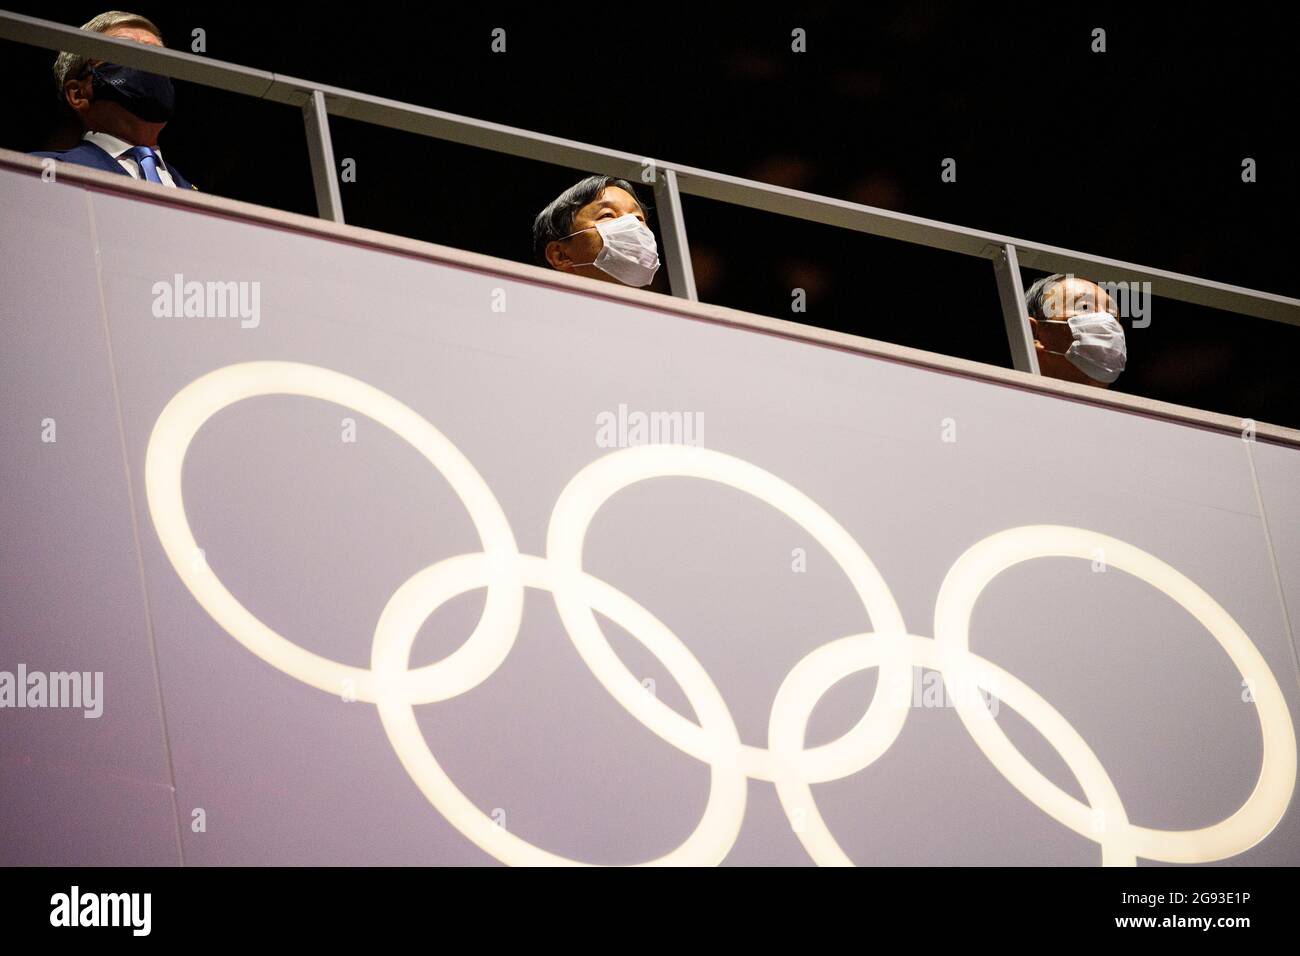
pixel 70 66
pixel 1037 293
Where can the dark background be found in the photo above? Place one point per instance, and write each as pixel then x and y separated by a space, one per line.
pixel 1133 154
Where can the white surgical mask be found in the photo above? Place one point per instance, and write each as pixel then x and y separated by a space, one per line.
pixel 1098 349
pixel 628 252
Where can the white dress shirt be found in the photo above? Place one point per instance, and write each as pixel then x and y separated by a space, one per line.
pixel 117 147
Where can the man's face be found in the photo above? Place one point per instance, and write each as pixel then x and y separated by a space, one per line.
pixel 1075 296
pixel 1065 299
pixel 104 115
pixel 576 253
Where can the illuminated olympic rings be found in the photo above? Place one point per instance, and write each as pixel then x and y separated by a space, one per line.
pixel 395 688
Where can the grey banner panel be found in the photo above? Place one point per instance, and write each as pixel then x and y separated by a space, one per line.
pixel 68 814
pixel 71 597
pixel 1278 473
pixel 312 515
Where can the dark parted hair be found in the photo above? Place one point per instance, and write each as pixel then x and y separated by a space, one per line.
pixel 556 220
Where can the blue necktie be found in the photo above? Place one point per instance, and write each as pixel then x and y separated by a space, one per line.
pixel 148 162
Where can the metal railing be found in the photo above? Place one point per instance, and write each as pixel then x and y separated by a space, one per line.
pixel 670 180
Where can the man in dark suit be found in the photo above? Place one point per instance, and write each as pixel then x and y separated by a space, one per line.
pixel 122 109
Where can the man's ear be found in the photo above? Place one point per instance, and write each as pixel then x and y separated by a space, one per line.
pixel 76 94
pixel 556 256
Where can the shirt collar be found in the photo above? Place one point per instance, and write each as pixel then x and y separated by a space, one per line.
pixel 114 146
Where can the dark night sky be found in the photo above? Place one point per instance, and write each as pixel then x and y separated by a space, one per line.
pixel 1133 154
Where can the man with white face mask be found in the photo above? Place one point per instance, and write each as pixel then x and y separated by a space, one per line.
pixel 1077 334
pixel 597 228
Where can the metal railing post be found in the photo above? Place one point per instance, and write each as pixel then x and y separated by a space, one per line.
pixel 677 252
pixel 329 203
pixel 1011 290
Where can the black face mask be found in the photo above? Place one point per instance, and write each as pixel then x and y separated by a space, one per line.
pixel 146 95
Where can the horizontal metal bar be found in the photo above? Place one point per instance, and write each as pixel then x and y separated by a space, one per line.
pixel 976 242
pixel 778 200
pixel 174 63
pixel 98 180
pixel 394 114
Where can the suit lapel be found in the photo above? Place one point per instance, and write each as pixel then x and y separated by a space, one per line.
pixel 100 158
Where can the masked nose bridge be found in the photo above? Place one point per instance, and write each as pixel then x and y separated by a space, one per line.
pixel 626 223
pixel 602 227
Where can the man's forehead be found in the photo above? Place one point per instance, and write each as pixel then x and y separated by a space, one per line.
pixel 1081 291
pixel 612 196
pixel 139 34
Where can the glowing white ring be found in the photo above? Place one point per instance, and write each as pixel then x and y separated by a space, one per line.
pixel 595 484
pixel 717 829
pixel 193 405
pixel 830 663
pixel 1262 810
